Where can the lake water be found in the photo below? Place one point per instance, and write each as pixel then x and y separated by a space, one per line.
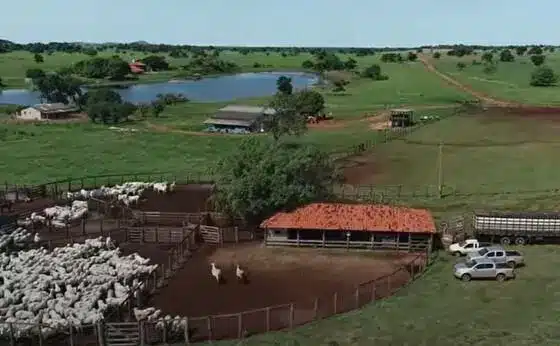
pixel 217 89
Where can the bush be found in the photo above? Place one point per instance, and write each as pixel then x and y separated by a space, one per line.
pixel 537 59
pixel 506 56
pixel 437 55
pixel 374 72
pixel 543 76
pixel 461 65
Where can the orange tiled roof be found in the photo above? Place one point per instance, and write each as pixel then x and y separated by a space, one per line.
pixel 354 217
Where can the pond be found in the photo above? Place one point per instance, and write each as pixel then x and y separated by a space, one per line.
pixel 215 89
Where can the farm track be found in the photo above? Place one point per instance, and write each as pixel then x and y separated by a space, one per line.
pixel 463 87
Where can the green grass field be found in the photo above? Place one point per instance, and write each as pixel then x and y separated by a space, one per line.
pixel 438 310
pixel 509 82
pixel 34 152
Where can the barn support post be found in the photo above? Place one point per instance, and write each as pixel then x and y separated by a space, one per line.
pixel 431 243
pixel 99 328
pixel 71 335
pixel 83 226
pixel 335 300
pixel 297 237
pixel 357 296
pixel 409 242
pixel 101 227
pixel 142 333
pixel 236 233
pixel 265 236
pixel 398 243
pixel 324 235
pixel 372 240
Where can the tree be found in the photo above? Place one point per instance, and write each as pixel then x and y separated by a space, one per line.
pixel 260 178
pixel 157 107
pixel 38 58
pixel 461 65
pixel 156 63
pixel 34 73
pixel 284 85
pixel 307 64
pixel 350 64
pixel 340 85
pixel 490 68
pixel 110 112
pixel 535 51
pixel 2 83
pixel 374 72
pixel 538 59
pixel 506 56
pixel 520 50
pixel 90 52
pixel 437 55
pixel 487 57
pixel 101 95
pixel 309 102
pixel 543 76
pixel 117 69
pixel 411 56
pixel 59 88
pixel 286 119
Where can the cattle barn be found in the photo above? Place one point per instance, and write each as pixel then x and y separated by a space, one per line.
pixel 365 226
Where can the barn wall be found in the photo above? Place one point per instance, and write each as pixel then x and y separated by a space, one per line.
pixel 30 114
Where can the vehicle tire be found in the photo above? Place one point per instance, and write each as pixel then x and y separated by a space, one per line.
pixel 511 264
pixel 501 277
pixel 466 277
pixel 520 241
pixel 457 254
pixel 505 241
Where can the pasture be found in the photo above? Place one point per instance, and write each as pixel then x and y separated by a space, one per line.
pixel 509 82
pixel 487 152
pixel 439 310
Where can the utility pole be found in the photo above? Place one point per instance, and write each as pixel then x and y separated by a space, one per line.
pixel 440 169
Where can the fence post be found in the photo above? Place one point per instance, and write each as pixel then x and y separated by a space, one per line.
pixel 71 333
pixel 240 325
pixel 357 296
pixel 40 333
pixel 100 333
pixel 335 300
pixel 12 338
pixel 268 318
pixel 186 331
pixel 291 315
pixel 83 226
pixel 142 333
pixel 315 308
pixel 209 325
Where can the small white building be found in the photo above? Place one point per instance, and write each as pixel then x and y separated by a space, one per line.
pixel 47 111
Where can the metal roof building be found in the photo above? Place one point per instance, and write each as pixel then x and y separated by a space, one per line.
pixel 238 117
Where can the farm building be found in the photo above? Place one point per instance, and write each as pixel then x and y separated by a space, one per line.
pixel 402 117
pixel 352 226
pixel 238 119
pixel 47 111
pixel 137 67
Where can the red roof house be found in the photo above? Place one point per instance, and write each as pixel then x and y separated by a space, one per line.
pixel 137 67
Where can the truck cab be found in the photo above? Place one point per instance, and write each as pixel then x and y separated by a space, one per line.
pixel 466 247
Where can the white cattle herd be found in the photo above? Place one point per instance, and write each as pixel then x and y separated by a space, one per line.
pixel 76 284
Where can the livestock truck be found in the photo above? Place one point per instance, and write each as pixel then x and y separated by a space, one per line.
pixel 516 228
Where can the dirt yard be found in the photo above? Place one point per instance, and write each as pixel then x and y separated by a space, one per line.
pixel 190 198
pixel 276 276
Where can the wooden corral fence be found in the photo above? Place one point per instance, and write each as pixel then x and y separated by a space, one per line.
pixel 287 316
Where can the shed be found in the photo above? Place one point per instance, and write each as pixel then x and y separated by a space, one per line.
pixel 402 117
pixel 352 226
pixel 46 111
pixel 236 118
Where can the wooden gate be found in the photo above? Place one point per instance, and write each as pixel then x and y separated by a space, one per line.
pixel 210 234
pixel 122 334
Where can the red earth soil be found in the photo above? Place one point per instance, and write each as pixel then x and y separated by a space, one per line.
pixel 190 198
pixel 274 279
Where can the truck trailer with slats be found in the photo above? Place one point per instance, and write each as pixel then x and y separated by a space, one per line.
pixel 516 228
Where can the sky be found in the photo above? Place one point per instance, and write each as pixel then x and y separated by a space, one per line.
pixel 323 23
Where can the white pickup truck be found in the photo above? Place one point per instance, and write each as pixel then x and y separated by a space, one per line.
pixel 465 247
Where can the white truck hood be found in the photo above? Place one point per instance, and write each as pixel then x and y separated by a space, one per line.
pixel 454 247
